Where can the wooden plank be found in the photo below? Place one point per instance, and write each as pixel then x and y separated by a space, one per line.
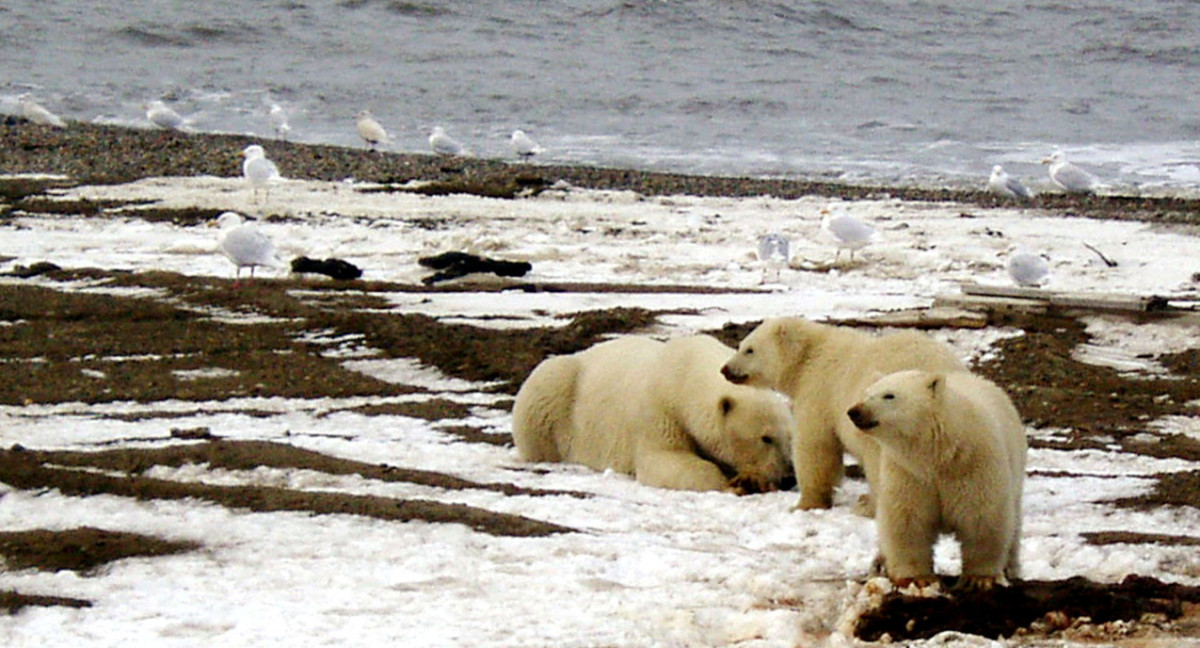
pixel 922 318
pixel 991 304
pixel 1069 300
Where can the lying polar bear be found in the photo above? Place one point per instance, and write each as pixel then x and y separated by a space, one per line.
pixel 659 411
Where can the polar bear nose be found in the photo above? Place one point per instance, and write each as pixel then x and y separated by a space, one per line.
pixel 860 417
pixel 732 375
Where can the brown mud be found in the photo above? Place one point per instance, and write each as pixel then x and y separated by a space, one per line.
pixel 62 346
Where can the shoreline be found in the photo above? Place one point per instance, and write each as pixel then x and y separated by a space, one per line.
pixel 103 154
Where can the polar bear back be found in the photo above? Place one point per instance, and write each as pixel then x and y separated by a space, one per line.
pixel 547 422
pixel 987 411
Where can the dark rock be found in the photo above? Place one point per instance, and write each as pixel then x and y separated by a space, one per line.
pixel 453 265
pixel 331 267
pixel 39 268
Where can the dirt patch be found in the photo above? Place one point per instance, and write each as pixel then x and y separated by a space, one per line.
pixel 248 455
pixel 35 470
pixel 82 550
pixel 1074 607
pixel 435 409
pixel 1130 537
pixel 13 602
pixel 475 435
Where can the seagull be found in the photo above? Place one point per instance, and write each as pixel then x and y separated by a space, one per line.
pixel 443 144
pixel 370 130
pixel 1005 185
pixel 1028 269
pixel 279 121
pixel 244 245
pixel 523 145
pixel 1069 177
pixel 259 171
pixel 849 232
pixel 774 250
pixel 38 114
pixel 161 115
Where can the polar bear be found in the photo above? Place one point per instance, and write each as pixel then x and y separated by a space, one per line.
pixel 659 411
pixel 824 370
pixel 952 460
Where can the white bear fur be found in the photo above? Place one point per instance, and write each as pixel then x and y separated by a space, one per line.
pixel 824 370
pixel 659 411
pixel 952 460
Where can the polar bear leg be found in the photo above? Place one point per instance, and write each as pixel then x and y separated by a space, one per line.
pixel 986 537
pixel 1012 570
pixel 817 458
pixel 678 469
pixel 907 518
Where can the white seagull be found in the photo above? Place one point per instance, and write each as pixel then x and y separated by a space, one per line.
pixel 1028 269
pixel 279 121
pixel 443 144
pixel 258 170
pixel 1005 185
pixel 38 114
pixel 523 145
pixel 161 115
pixel 774 251
pixel 1068 176
pixel 370 130
pixel 849 232
pixel 244 245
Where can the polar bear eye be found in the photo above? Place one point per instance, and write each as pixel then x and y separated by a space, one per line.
pixel 889 396
pixel 768 440
pixel 750 351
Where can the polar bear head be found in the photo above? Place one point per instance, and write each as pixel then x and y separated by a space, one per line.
pixel 754 443
pixel 767 357
pixel 901 407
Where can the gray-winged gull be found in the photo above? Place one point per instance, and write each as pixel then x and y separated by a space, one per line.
pixel 279 121
pixel 38 114
pixel 161 115
pixel 259 171
pixel 370 130
pixel 1028 269
pixel 1068 176
pixel 443 144
pixel 1005 185
pixel 774 250
pixel 523 145
pixel 848 232
pixel 244 245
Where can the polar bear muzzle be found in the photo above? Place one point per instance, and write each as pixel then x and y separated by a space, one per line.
pixel 733 375
pixel 861 417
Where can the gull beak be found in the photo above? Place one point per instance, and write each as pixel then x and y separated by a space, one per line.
pixel 1046 160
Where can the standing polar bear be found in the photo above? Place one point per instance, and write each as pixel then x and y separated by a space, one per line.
pixel 952 459
pixel 659 411
pixel 824 370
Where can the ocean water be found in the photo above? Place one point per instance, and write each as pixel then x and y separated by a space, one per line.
pixel 884 91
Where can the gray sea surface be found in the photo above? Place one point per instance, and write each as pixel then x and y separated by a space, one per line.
pixel 879 91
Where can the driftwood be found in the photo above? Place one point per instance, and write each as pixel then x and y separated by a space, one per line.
pixel 980 297
pixel 921 318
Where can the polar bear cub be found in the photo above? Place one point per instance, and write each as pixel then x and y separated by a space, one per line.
pixel 952 460
pixel 659 411
pixel 824 370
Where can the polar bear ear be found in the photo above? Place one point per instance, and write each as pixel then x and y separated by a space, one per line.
pixel 935 383
pixel 726 405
